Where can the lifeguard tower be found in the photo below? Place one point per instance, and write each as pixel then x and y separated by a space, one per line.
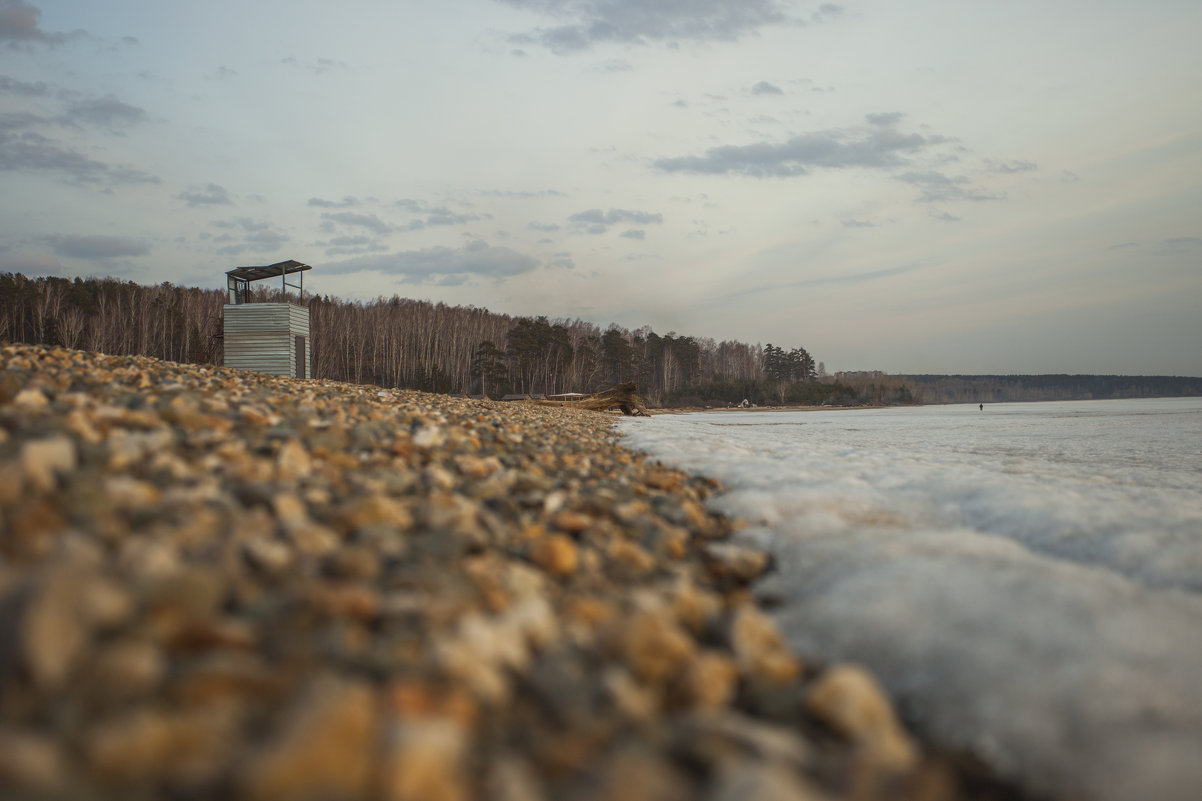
pixel 267 337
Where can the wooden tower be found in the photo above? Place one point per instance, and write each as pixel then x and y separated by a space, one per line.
pixel 267 337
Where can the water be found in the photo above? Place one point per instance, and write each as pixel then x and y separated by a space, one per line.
pixel 1026 580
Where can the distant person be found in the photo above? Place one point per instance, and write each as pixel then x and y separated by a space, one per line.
pixel 982 406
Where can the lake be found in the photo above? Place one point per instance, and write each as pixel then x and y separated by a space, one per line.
pixel 1025 579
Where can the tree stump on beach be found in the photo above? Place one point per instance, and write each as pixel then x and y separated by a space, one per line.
pixel 621 396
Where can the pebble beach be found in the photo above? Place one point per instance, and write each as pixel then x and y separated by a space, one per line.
pixel 224 584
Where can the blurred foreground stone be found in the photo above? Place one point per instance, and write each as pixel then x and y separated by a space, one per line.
pixel 219 584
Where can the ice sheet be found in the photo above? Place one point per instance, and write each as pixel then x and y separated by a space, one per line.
pixel 1026 579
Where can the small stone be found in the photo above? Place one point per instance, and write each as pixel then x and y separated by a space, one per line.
pixel 267 555
pixel 324 749
pixel 149 743
pixel 130 494
pixel 42 461
pixel 571 522
pixel 423 761
pixel 754 780
pixel 128 668
pixel 31 761
pixel 293 461
pixel 655 647
pixel 53 632
pixel 740 562
pixel 848 699
pixel 629 557
pixel 31 398
pixel 708 682
pixel 760 649
pixel 556 554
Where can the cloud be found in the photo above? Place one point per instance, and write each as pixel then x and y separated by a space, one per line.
pixel 583 24
pixel 352 245
pixel 248 236
pixel 12 86
pixel 208 195
pixel 937 187
pixel 318 66
pixel 521 195
pixel 19 25
pixel 97 247
pixel 596 221
pixel 1010 166
pixel 443 265
pixel 884 118
pixel 849 278
pixel 546 227
pixel 878 147
pixel 859 224
pixel 634 233
pixel 346 202
pixel 28 151
pixel 106 112
pixel 943 216
pixel 369 221
pixel 765 88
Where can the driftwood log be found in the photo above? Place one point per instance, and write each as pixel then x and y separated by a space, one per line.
pixel 621 396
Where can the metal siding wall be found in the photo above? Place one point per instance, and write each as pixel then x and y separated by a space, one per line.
pixel 261 337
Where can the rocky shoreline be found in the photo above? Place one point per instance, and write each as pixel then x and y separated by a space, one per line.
pixel 220 584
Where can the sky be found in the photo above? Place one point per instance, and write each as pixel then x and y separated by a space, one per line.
pixel 931 186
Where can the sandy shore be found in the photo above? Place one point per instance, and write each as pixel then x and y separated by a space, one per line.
pixel 218 584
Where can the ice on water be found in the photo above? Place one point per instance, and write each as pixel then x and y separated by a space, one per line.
pixel 1026 579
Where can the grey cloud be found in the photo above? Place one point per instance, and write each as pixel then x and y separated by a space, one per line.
pixel 859 224
pixel 586 23
pixel 538 226
pixel 352 245
pixel 937 187
pixel 850 278
pixel 1069 177
pixel 444 216
pixel 596 221
pixel 436 215
pixel 346 202
pixel 318 66
pixel 31 151
pixel 522 195
pixel 1011 166
pixel 208 195
pixel 108 112
pixel 442 264
pixel 97 247
pixel 1180 244
pixel 874 147
pixel 253 236
pixel 884 118
pixel 765 88
pixel 19 25
pixel 634 233
pixel 15 87
pixel 943 216
pixel 369 221
pixel 563 260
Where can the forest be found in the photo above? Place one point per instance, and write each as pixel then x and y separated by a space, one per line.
pixel 417 344
pixel 1052 387
pixel 397 342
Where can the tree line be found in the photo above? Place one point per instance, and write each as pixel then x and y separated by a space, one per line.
pixel 397 342
pixel 1050 387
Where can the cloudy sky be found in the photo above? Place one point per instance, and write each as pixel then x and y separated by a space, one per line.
pixel 927 186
